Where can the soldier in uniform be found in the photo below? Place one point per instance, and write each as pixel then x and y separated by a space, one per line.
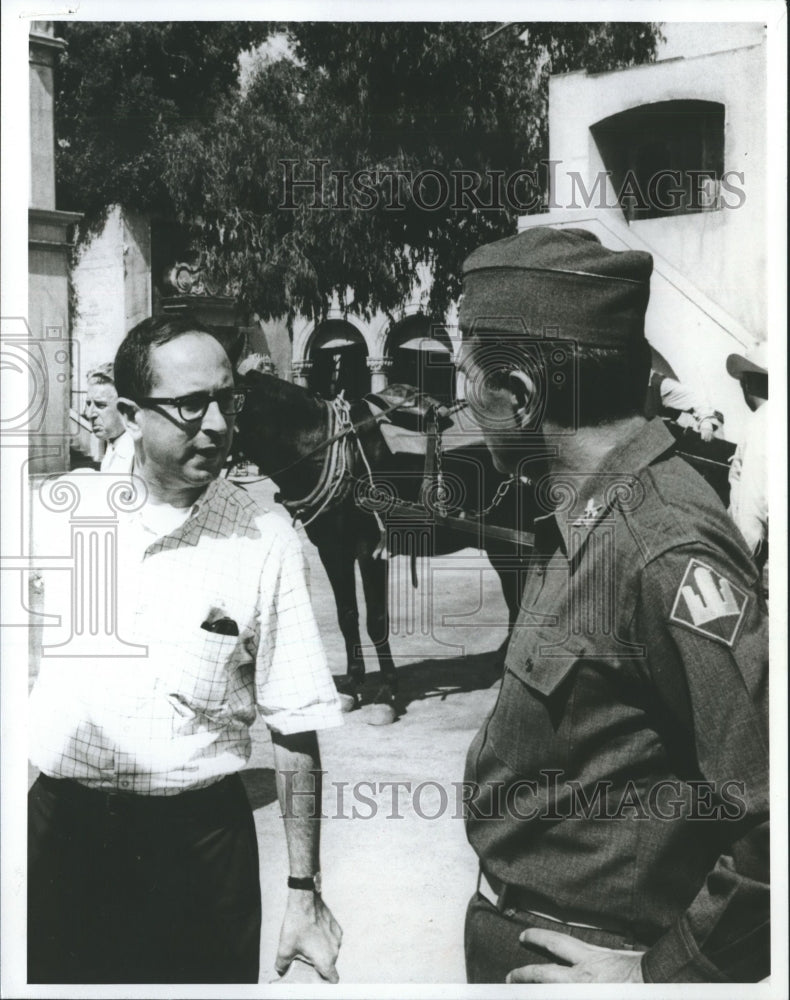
pixel 619 788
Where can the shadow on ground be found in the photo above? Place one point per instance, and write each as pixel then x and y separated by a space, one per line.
pixel 438 678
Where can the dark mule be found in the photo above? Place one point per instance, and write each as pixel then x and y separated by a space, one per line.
pixel 282 423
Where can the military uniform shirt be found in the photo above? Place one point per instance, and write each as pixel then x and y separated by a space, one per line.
pixel 626 760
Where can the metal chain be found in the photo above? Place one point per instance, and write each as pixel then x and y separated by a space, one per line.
pixel 499 496
pixel 441 495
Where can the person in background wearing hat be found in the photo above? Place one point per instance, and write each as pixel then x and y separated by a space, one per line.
pixel 682 404
pixel 101 408
pixel 749 469
pixel 618 791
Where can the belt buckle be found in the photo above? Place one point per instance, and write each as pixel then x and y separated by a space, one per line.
pixel 499 900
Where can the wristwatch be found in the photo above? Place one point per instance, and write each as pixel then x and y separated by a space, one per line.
pixel 311 882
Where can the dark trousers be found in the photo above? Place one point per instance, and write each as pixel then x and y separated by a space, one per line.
pixel 142 889
pixel 492 948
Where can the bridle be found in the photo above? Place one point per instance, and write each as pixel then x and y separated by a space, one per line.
pixel 335 479
pixel 346 429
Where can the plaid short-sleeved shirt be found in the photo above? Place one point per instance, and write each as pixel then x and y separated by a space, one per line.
pixel 176 713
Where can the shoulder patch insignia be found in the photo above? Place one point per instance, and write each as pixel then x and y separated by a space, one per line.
pixel 708 603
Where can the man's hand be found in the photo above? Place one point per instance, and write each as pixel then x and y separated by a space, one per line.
pixel 309 932
pixel 587 963
pixel 707 428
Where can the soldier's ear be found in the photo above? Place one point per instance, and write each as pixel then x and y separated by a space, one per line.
pixel 525 399
pixel 129 411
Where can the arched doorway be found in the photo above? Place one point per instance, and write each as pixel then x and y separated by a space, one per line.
pixel 338 353
pixel 422 356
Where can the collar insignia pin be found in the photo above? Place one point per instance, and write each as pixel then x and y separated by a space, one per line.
pixel 591 513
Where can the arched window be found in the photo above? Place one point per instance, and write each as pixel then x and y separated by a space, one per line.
pixel 339 355
pixel 665 158
pixel 422 356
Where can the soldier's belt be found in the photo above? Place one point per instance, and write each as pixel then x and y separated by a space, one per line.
pixel 512 899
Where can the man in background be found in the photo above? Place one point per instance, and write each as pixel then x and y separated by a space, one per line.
pixel 101 409
pixel 749 469
pixel 683 404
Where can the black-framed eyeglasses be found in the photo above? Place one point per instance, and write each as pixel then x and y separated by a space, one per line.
pixel 194 406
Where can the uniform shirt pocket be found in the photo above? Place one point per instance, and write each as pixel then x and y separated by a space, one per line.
pixel 531 726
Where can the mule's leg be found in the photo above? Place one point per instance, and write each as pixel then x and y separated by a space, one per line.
pixel 375 580
pixel 375 584
pixel 339 566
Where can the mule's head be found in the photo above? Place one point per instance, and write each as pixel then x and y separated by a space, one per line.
pixel 256 423
pixel 276 414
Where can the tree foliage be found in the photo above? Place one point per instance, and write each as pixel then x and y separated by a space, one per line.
pixel 122 90
pixel 152 119
pixel 377 97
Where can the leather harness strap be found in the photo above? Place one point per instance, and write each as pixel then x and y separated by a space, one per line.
pixel 335 477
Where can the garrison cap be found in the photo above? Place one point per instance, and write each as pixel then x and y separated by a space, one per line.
pixel 560 282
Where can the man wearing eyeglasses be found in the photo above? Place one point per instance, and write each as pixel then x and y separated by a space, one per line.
pixel 143 859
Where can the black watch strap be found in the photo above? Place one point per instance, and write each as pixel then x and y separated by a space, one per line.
pixel 312 882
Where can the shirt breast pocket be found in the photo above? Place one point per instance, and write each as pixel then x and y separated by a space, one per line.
pixel 204 678
pixel 531 727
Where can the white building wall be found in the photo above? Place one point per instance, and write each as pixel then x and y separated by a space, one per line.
pixel 112 281
pixel 708 295
pixel 136 252
pixel 695 38
pixel 722 252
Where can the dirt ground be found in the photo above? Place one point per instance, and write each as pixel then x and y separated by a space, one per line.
pixel 397 881
pixel 397 869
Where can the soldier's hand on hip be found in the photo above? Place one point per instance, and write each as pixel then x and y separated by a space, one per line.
pixel 585 963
